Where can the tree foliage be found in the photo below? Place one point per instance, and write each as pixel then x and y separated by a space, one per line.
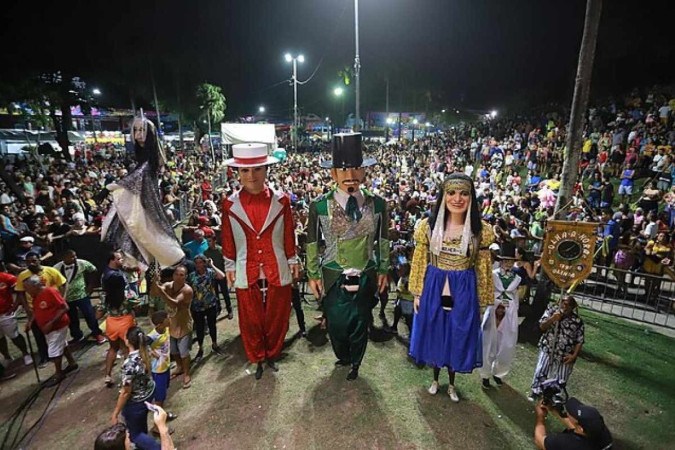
pixel 39 99
pixel 211 102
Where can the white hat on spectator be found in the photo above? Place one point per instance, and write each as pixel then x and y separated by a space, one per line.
pixel 27 239
pixel 250 155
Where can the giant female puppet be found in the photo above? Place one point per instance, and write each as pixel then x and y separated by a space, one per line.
pixel 260 258
pixel 450 278
pixel 136 222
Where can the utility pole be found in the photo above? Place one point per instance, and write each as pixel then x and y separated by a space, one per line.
pixel 180 109
pixel 357 67
pixel 386 110
pixel 582 87
pixel 294 131
pixel 154 93
pixel 386 105
pixel 294 134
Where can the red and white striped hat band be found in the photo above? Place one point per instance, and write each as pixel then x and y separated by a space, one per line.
pixel 250 155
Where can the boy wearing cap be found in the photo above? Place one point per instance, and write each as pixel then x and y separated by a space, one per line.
pixel 260 258
pixel 354 264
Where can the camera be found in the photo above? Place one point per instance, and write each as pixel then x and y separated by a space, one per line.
pixel 555 396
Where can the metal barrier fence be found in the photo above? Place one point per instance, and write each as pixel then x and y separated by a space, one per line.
pixel 633 295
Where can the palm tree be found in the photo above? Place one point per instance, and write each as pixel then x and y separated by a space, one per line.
pixel 582 87
pixel 212 107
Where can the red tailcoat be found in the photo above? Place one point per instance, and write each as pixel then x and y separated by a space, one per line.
pixel 258 235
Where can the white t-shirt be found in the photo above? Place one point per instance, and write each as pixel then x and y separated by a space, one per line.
pixel 651 229
pixel 664 111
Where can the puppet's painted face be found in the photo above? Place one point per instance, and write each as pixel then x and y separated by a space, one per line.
pixel 139 130
pixel 349 179
pixel 457 200
pixel 253 179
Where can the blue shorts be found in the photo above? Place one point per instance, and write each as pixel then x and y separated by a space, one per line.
pixel 161 384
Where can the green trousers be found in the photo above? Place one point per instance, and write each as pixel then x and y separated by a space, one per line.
pixel 349 316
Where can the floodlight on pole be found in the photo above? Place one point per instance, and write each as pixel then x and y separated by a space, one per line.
pixel 261 109
pixel 357 66
pixel 96 91
pixel 493 114
pixel 294 80
pixel 443 111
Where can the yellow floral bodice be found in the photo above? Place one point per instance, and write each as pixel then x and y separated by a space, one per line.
pixel 448 259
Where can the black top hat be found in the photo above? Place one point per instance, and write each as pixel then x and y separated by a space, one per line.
pixel 347 152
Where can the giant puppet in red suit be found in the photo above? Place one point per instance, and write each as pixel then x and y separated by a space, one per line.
pixel 260 258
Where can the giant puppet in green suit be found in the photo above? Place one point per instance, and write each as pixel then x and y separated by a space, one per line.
pixel 348 271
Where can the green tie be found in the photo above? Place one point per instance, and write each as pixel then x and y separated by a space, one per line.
pixel 353 211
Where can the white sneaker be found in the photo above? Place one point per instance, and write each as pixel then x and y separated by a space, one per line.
pixel 453 394
pixel 27 360
pixel 433 389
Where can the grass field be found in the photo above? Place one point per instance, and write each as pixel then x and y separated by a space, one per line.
pixel 625 371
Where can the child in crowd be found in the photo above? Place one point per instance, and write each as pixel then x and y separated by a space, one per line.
pixel 404 300
pixel 159 352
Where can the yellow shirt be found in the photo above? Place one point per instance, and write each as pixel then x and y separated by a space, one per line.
pixel 50 278
pixel 160 350
pixel 553 184
pixel 587 146
pixel 652 263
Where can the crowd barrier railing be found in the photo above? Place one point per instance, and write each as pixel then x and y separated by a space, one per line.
pixel 638 296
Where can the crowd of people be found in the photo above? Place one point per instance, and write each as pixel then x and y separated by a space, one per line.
pixel 626 183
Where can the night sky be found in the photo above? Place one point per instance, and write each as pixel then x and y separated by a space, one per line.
pixel 463 53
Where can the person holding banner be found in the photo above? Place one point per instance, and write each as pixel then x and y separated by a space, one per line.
pixel 559 345
pixel 451 278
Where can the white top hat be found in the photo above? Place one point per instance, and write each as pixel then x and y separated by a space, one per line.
pixel 250 155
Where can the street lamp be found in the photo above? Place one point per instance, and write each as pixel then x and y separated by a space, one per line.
pixel 357 65
pixel 96 92
pixel 294 80
pixel 338 91
pixel 443 111
pixel 390 122
pixel 493 114
pixel 261 109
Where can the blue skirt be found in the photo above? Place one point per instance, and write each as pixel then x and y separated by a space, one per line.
pixel 443 338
